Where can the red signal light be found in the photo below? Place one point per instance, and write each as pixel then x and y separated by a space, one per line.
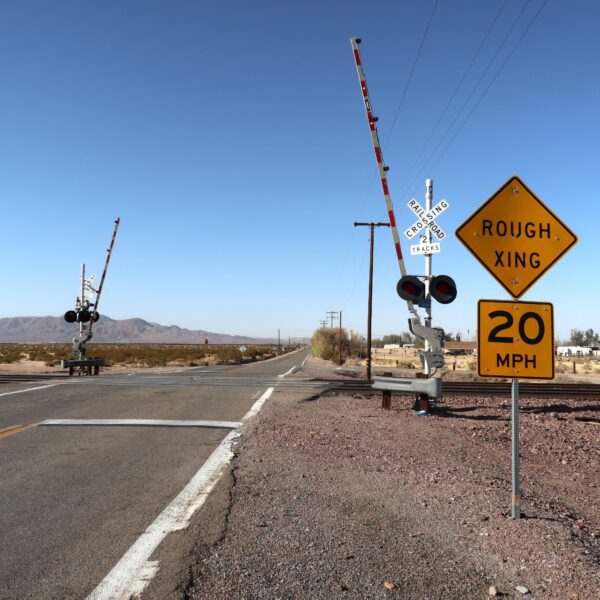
pixel 443 289
pixel 411 288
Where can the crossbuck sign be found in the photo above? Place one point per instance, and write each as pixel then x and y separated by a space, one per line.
pixel 426 221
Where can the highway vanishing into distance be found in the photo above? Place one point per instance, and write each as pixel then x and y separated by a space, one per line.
pixel 97 471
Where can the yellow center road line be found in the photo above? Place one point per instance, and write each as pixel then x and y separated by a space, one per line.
pixel 7 431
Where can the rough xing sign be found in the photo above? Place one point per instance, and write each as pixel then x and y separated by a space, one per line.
pixel 516 237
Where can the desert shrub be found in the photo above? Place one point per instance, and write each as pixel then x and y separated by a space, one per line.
pixel 472 365
pixel 405 364
pixel 326 343
pixel 228 354
pixel 137 354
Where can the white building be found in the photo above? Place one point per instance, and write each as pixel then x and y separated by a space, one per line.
pixel 575 351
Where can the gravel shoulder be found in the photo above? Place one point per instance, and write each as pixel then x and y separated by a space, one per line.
pixel 335 498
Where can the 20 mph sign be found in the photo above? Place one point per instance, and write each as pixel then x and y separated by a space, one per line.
pixel 515 339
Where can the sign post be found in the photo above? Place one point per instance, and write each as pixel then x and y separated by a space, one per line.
pixel 517 238
pixel 516 479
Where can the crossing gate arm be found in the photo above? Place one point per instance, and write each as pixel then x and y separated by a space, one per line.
pixel 381 166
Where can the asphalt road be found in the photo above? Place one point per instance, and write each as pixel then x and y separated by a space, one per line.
pixel 75 497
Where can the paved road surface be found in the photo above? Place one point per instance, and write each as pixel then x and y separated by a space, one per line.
pixel 75 497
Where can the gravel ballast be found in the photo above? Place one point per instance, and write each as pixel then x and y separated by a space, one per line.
pixel 335 498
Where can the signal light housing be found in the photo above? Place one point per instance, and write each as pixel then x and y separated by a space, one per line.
pixel 70 316
pixel 83 316
pixel 443 289
pixel 411 289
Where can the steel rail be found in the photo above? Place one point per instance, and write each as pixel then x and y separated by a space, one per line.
pixel 482 388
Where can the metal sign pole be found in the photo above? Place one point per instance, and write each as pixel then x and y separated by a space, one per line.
pixel 81 300
pixel 516 489
pixel 428 257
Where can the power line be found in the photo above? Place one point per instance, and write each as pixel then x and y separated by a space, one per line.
pixel 458 85
pixel 356 275
pixel 529 26
pixel 412 71
pixel 466 102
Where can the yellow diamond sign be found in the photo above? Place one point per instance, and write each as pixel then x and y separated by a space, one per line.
pixel 516 237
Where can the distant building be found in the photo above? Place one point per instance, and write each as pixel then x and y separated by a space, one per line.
pixel 576 351
pixel 391 346
pixel 460 348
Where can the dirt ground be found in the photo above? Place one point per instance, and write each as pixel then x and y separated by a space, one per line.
pixel 335 498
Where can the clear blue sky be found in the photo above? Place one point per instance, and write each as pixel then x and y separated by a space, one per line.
pixel 231 140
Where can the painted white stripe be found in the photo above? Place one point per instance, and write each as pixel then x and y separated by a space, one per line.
pixel 258 405
pixel 129 571
pixel 133 572
pixel 145 576
pixel 287 372
pixel 304 361
pixel 144 422
pixel 41 387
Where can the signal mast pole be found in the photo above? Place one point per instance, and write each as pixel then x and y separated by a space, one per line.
pixel 381 166
pixel 428 257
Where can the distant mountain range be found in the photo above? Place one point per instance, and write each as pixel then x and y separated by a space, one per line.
pixel 107 330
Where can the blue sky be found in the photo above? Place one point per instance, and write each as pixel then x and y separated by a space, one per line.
pixel 231 140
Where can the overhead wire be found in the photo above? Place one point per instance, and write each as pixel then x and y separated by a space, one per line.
pixel 412 72
pixel 456 88
pixel 466 102
pixel 356 274
pixel 529 26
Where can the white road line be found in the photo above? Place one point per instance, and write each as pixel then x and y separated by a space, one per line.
pixel 134 571
pixel 144 422
pixel 287 373
pixel 41 387
pixel 258 405
pixel 304 361
pixel 129 573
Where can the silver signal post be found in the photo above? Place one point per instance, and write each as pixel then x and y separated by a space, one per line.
pixel 428 271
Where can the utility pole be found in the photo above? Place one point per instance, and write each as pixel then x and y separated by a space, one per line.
pixel 370 309
pixel 332 315
pixel 323 323
pixel 340 338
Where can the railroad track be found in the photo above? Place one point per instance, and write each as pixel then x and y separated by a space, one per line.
pixel 482 388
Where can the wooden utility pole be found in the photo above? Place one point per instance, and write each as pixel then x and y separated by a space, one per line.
pixel 340 338
pixel 333 315
pixel 370 309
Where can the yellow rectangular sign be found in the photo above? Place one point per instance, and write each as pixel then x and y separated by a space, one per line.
pixel 515 339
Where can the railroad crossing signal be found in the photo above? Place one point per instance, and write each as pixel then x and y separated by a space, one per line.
pixel 516 237
pixel 441 287
pixel 515 339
